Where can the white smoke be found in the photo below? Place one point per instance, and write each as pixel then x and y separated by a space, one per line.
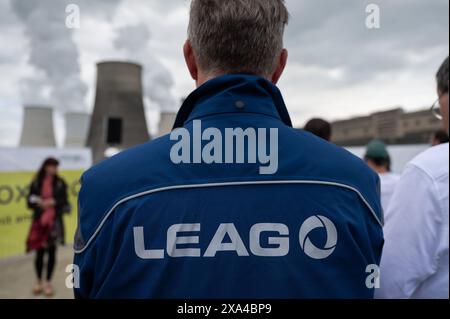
pixel 53 54
pixel 133 40
pixel 56 75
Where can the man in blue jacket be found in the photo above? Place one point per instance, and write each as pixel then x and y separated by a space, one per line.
pixel 235 203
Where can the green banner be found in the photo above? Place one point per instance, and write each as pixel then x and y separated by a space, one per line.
pixel 15 217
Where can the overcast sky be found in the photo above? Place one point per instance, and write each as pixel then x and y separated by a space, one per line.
pixel 337 66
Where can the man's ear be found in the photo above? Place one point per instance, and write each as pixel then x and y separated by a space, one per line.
pixel 190 60
pixel 280 66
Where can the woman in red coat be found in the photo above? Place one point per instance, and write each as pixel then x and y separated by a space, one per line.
pixel 48 199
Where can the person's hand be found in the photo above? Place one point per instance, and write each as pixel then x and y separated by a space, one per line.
pixel 47 203
pixel 43 204
pixel 51 202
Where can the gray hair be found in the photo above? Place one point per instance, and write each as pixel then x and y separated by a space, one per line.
pixel 443 77
pixel 237 36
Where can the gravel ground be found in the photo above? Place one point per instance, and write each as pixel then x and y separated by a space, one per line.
pixel 17 276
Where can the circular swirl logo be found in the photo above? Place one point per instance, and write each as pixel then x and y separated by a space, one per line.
pixel 308 247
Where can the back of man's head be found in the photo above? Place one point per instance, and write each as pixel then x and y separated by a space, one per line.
pixel 377 156
pixel 440 137
pixel 320 128
pixel 237 36
pixel 443 82
pixel 443 77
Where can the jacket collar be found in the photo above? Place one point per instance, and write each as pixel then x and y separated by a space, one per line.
pixel 235 93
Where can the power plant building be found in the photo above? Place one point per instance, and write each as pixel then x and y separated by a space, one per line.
pixel 166 123
pixel 38 127
pixel 118 120
pixel 77 126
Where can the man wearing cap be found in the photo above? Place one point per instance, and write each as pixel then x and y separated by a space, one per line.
pixel 415 262
pixel 377 158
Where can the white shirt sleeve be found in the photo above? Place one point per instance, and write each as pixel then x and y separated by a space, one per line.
pixel 411 236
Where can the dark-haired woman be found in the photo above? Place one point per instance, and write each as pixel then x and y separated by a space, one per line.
pixel 48 199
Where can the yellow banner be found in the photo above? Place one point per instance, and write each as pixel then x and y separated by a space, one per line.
pixel 15 217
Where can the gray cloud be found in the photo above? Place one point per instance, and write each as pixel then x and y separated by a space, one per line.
pixel 97 8
pixel 158 81
pixel 332 34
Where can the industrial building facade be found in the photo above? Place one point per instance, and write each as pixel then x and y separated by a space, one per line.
pixel 393 126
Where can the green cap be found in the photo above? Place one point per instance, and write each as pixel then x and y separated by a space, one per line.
pixel 377 149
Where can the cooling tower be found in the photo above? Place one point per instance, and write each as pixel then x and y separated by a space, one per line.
pixel 77 125
pixel 118 120
pixel 37 127
pixel 166 123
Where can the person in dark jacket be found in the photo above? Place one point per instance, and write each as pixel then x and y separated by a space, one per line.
pixel 48 200
pixel 195 215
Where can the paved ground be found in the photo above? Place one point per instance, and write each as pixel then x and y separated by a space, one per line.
pixel 17 276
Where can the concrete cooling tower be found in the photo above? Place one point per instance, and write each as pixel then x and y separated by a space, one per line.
pixel 166 123
pixel 77 126
pixel 37 127
pixel 118 121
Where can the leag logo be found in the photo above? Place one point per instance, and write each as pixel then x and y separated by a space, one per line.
pixel 180 235
pixel 308 247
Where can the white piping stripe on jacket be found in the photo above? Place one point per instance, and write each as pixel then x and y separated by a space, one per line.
pixel 170 188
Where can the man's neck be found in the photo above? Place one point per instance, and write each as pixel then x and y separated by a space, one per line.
pixel 203 77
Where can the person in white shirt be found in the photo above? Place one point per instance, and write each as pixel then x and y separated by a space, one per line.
pixel 415 261
pixel 377 158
